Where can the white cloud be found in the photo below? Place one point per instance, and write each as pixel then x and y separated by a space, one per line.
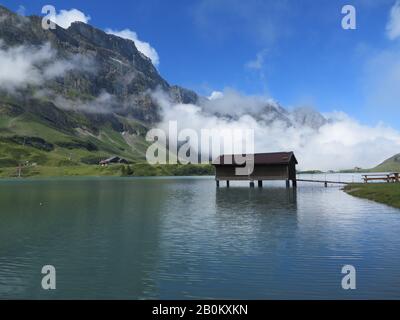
pixel 381 78
pixel 66 17
pixel 216 95
pixel 18 65
pixel 381 73
pixel 340 143
pixel 258 62
pixel 393 26
pixel 231 102
pixel 143 47
pixel 103 103
pixel 28 65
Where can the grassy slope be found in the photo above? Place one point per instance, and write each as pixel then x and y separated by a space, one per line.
pixel 392 164
pixel 136 170
pixel 107 142
pixel 387 193
pixel 71 161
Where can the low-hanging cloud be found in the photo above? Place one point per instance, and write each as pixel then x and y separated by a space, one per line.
pixel 142 46
pixel 339 143
pixel 24 65
pixel 18 65
pixel 103 103
pixel 231 102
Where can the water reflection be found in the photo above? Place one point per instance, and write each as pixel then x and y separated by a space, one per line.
pixel 183 238
pixel 267 197
pixel 91 230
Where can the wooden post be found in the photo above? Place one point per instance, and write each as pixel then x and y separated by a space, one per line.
pixel 294 183
pixel 287 183
pixel 227 183
pixel 260 183
pixel 251 184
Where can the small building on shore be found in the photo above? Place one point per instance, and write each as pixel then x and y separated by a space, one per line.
pixel 267 166
pixel 111 160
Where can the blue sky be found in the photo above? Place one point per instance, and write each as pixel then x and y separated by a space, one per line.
pixel 294 51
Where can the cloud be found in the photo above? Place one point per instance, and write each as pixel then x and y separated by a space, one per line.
pixel 258 62
pixel 216 95
pixel 19 65
pixel 257 66
pixel 143 47
pixel 21 10
pixel 380 75
pixel 393 26
pixel 33 65
pixel 339 143
pixel 103 103
pixel 233 103
pixel 66 17
pixel 380 79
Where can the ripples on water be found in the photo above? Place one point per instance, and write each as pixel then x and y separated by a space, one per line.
pixel 183 238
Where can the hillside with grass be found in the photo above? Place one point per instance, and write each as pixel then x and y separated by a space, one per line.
pixel 41 135
pixel 386 193
pixel 82 96
pixel 390 165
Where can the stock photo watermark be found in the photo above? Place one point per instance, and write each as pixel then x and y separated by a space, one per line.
pixel 49 280
pixel 49 20
pixel 349 21
pixel 187 146
pixel 349 280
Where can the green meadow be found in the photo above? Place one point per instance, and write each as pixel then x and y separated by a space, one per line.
pixel 387 193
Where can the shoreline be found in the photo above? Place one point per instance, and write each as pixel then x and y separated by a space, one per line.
pixel 384 193
pixel 115 170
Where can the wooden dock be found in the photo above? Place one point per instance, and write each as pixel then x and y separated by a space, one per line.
pixel 325 182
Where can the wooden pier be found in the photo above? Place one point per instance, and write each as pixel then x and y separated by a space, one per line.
pixel 325 182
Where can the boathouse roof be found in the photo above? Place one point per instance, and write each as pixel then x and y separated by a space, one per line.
pixel 260 158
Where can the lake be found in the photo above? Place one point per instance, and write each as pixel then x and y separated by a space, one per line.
pixel 182 238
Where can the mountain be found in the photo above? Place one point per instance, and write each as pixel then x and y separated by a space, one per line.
pixel 389 165
pixel 308 117
pixel 70 97
pixel 119 68
pixel 76 95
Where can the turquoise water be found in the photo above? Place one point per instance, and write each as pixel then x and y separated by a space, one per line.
pixel 178 238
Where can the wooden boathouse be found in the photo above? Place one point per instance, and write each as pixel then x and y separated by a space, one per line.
pixel 267 166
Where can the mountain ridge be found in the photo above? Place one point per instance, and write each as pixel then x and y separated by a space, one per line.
pixel 121 70
pixel 91 96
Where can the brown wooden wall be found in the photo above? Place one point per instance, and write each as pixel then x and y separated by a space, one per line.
pixel 261 172
pixel 292 170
